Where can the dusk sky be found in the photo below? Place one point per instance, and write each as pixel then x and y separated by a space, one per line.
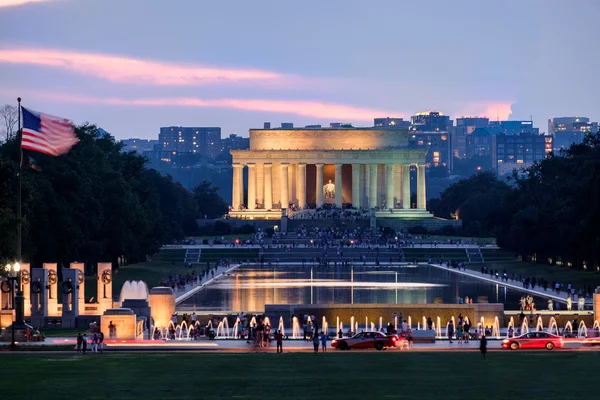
pixel 131 66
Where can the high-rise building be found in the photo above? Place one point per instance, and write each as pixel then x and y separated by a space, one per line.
pixel 479 143
pixel 204 141
pixel 464 127
pixel 430 121
pixel 391 122
pixel 513 127
pixel 235 142
pixel 569 130
pixel 519 151
pixel 437 143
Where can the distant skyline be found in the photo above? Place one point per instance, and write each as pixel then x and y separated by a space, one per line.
pixel 132 66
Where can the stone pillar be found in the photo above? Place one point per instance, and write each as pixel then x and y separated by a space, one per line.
pixel 52 289
pixel 81 283
pixel 338 185
pixel 285 201
pixel 398 184
pixel 301 185
pixel 39 296
pixel 389 177
pixel 292 191
pixel 251 186
pixel 268 184
pixel 373 186
pixel 104 288
pixel 70 298
pixel 260 185
pixel 356 185
pixel 421 194
pixel 319 192
pixel 237 191
pixel 26 287
pixel 406 189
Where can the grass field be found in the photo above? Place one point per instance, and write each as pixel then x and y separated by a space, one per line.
pixel 352 375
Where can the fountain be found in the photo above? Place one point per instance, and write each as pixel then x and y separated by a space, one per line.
pixel 380 323
pixel 596 325
pixel 372 327
pixel 568 326
pixel 511 324
pixel 341 327
pixel 424 322
pixel 352 325
pixel 356 328
pixel 324 325
pixel 553 325
pixel 524 327
pixel 396 323
pixel 280 327
pixel 582 330
pixel 234 330
pixel 295 328
pixel 409 322
pixel 222 329
pixel 439 327
pixel 267 321
pixel 496 328
pixel 366 324
pixel 540 324
pixel 418 326
pixel 252 322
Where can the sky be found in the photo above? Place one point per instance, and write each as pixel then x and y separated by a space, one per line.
pixel 132 66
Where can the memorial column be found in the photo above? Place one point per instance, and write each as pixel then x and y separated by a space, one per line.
pixel 421 192
pixel 268 185
pixel 338 185
pixel 389 177
pixel 251 186
pixel 356 186
pixel 406 189
pixel 285 201
pixel 372 185
pixel 319 191
pixel 301 185
pixel 236 190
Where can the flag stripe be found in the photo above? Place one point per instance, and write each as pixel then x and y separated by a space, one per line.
pixel 46 133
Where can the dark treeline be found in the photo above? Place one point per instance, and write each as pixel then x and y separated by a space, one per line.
pixel 96 203
pixel 549 213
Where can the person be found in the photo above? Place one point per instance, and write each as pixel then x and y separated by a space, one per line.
pixel 315 340
pixel 79 341
pixel 429 324
pixel 323 342
pixel 450 330
pixel 84 343
pixel 550 305
pixel 112 330
pixel 483 346
pixel 569 303
pixel 279 339
pixel 95 343
pixel 101 341
pixel 340 334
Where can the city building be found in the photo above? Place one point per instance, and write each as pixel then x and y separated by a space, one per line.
pixel 139 145
pixel 519 151
pixel 479 143
pixel 430 121
pixel 435 143
pixel 204 141
pixel 513 127
pixel 234 142
pixel 388 122
pixel 464 127
pixel 569 130
pixel 364 168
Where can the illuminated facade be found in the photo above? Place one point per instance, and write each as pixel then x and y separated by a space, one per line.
pixel 362 168
pixel 205 142
pixel 519 151
pixel 569 130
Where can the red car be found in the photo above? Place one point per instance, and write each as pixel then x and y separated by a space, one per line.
pixel 366 340
pixel 533 340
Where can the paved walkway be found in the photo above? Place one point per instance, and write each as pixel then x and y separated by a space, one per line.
pixel 190 290
pixel 560 297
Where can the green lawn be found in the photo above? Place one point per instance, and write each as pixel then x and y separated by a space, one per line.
pixel 548 272
pixel 352 375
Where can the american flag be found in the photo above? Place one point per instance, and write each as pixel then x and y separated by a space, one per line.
pixel 46 133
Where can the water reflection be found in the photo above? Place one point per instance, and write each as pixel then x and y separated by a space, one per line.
pixel 250 288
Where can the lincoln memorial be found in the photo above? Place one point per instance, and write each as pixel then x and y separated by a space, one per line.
pixel 307 168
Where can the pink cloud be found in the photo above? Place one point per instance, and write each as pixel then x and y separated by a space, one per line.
pixel 120 69
pixel 492 110
pixel 12 3
pixel 313 109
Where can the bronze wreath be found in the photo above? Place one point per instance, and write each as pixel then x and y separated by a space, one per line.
pixel 80 277
pixel 36 287
pixel 5 287
pixel 25 277
pixel 106 277
pixel 67 287
pixel 52 277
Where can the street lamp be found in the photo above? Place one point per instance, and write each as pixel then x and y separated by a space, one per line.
pixel 14 279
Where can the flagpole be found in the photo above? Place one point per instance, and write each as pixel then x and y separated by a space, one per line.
pixel 19 227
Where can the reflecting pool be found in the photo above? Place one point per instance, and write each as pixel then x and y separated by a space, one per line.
pixel 249 288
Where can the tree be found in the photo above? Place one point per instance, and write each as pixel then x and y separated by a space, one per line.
pixel 210 204
pixel 9 120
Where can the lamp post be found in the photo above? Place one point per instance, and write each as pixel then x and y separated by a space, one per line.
pixel 14 277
